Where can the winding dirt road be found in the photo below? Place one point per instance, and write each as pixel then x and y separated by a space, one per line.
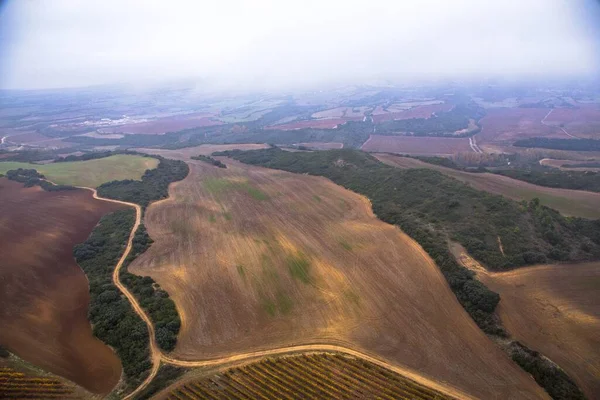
pixel 157 356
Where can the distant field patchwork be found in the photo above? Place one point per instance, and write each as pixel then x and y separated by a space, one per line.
pixel 91 173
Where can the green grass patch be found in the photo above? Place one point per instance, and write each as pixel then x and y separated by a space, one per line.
pixel 217 186
pixel 299 267
pixel 284 302
pixel 345 245
pixel 227 216
pixel 317 198
pixel 352 297
pixel 91 173
pixel 256 193
pixel 212 218
pixel 241 271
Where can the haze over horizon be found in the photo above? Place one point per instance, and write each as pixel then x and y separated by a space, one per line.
pixel 268 44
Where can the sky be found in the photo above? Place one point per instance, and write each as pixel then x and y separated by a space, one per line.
pixel 269 44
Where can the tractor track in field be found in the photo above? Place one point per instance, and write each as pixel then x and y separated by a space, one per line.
pixel 157 356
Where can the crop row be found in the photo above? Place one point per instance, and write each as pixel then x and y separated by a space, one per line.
pixel 315 376
pixel 16 385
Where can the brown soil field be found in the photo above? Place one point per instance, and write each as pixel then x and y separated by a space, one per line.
pixel 257 259
pixel 322 146
pixel 330 123
pixel 43 292
pixel 307 376
pixel 505 125
pixel 583 121
pixel 555 309
pixel 164 125
pixel 416 145
pixel 415 112
pixel 568 202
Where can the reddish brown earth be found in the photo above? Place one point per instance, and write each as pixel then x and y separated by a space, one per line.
pixel 505 125
pixel 583 121
pixel 164 125
pixel 330 123
pixel 416 145
pixel 415 112
pixel 43 292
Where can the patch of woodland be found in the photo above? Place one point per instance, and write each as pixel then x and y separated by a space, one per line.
pixel 153 186
pixel 546 373
pixel 32 156
pixel 555 178
pixel 152 298
pixel 560 144
pixel 166 375
pixel 209 160
pixel 94 155
pixel 30 178
pixel 113 319
pixel 431 207
pixel 523 169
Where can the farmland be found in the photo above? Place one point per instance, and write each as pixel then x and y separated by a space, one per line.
pixel 568 202
pixel 258 259
pixel 187 153
pixel 582 121
pixel 330 123
pixel 314 376
pixel 43 291
pixel 90 173
pixel 164 125
pixel 505 125
pixel 20 383
pixel 421 111
pixel 555 309
pixel 416 145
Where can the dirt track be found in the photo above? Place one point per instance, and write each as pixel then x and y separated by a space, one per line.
pixel 395 318
pixel 158 356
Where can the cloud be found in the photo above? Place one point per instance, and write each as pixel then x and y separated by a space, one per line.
pixel 270 44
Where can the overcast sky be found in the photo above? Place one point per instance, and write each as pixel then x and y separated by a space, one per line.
pixel 293 43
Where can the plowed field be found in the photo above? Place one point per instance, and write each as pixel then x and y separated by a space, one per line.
pixel 555 309
pixel 44 294
pixel 257 259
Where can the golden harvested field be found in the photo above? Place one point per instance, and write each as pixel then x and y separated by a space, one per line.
pixel 314 376
pixel 569 202
pixel 43 292
pixel 258 259
pixel 555 309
